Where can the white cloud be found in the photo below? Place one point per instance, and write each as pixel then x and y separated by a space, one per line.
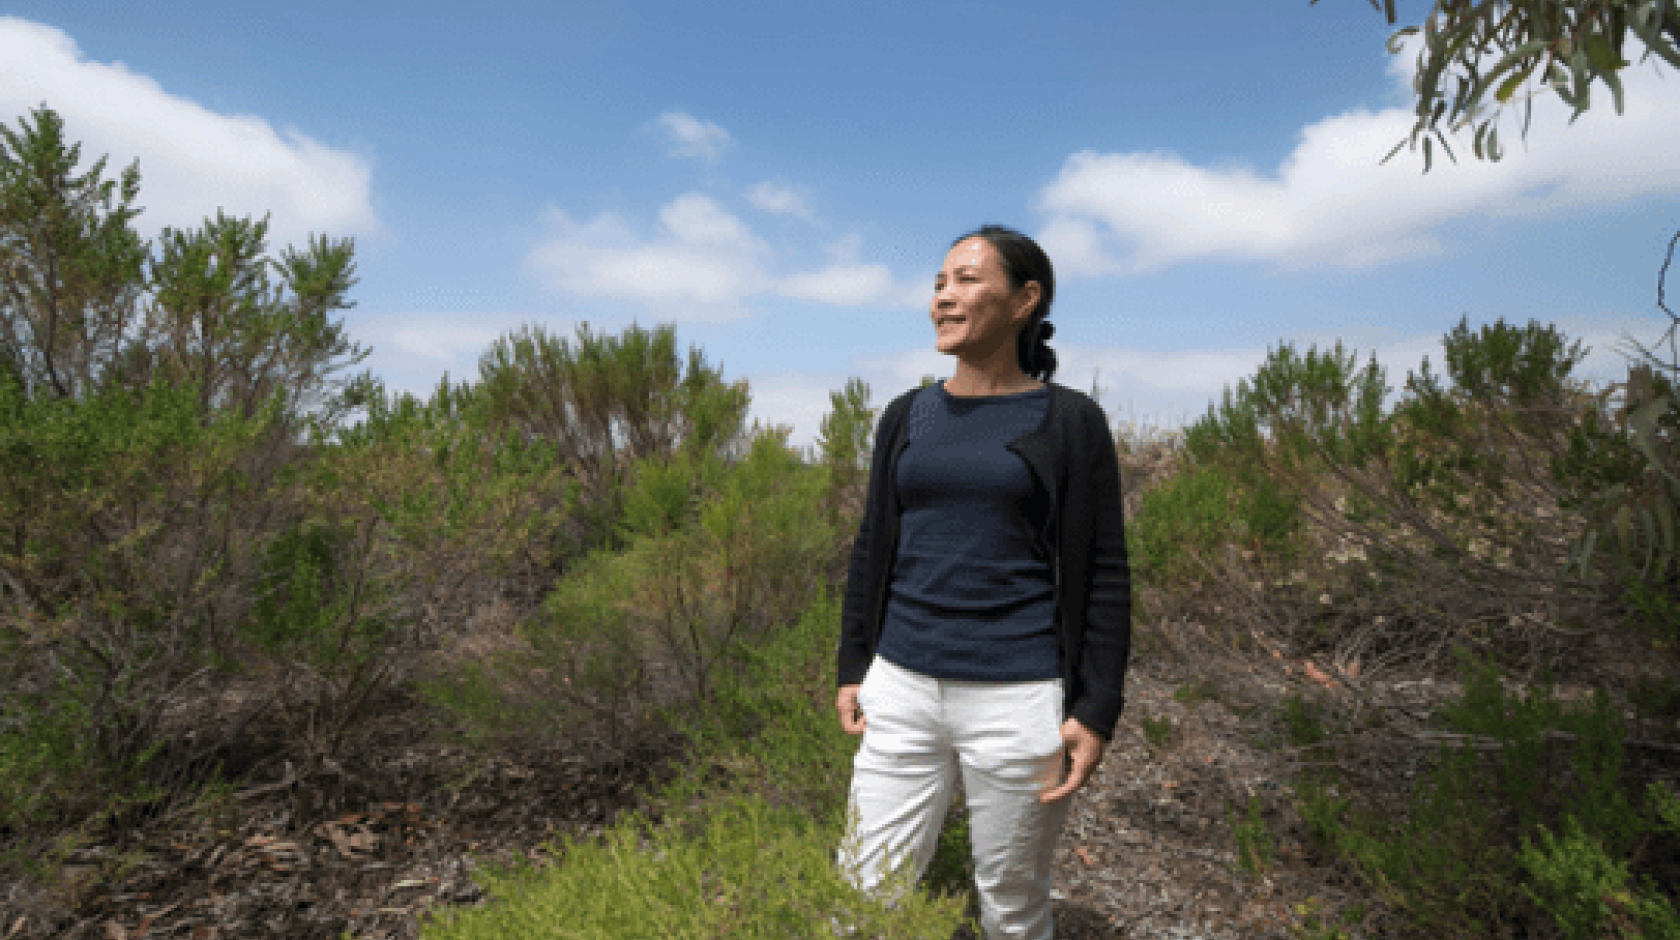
pixel 703 263
pixel 845 281
pixel 841 284
pixel 1331 203
pixel 703 259
pixel 192 160
pixel 691 137
pixel 779 199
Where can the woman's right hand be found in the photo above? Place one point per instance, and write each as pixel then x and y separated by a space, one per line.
pixel 851 717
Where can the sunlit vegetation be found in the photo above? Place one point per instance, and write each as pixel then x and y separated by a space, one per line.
pixel 196 494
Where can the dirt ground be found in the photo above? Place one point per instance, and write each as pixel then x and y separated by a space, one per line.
pixel 1148 851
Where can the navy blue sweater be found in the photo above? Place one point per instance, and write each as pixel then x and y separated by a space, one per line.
pixel 1012 562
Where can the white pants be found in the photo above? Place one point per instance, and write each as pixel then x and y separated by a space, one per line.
pixel 1006 738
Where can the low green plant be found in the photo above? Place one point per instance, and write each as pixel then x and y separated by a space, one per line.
pixel 1480 848
pixel 1194 693
pixel 764 840
pixel 1322 807
pixel 1302 720
pixel 1200 509
pixel 1255 841
pixel 1584 889
pixel 1314 924
pixel 745 870
pixel 951 870
pixel 1157 731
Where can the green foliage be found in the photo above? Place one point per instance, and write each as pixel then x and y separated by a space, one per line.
pixel 141 439
pixel 71 261
pixel 540 387
pixel 1157 731
pixel 1633 508
pixel 846 440
pixel 49 763
pixel 1201 509
pixel 1478 845
pixel 1304 403
pixel 1302 720
pixel 1194 693
pixel 1449 504
pixel 1315 925
pixel 1584 889
pixel 717 560
pixel 219 324
pixel 753 816
pixel 747 871
pixel 1566 47
pixel 309 608
pixel 110 612
pixel 1254 839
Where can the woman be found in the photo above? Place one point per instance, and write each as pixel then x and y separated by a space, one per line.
pixel 987 614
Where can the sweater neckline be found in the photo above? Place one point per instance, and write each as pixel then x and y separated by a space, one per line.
pixel 1023 391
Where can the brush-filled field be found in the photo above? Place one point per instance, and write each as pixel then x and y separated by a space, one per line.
pixel 550 651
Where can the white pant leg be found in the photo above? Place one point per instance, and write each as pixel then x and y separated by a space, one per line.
pixel 1008 740
pixel 902 779
pixel 1006 737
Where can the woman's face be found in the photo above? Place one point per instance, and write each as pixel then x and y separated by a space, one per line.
pixel 973 311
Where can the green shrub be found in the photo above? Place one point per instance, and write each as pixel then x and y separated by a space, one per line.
pixel 1582 888
pixel 1254 839
pixel 116 597
pixel 1201 509
pixel 1157 731
pixel 1302 720
pixel 755 815
pixel 1194 693
pixel 748 871
pixel 1478 846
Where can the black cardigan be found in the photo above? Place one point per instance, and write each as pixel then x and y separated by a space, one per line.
pixel 1073 455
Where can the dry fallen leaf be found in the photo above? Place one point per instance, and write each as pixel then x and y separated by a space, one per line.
pixel 1084 856
pixel 1317 675
pixel 115 931
pixel 348 843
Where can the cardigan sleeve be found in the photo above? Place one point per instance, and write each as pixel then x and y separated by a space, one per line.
pixel 857 612
pixel 1106 643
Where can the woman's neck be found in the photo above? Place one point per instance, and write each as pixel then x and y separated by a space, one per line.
pixel 968 385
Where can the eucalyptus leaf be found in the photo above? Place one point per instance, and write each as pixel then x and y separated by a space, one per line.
pixel 1662 47
pixel 1396 41
pixel 1601 53
pixel 1615 89
pixel 1391 153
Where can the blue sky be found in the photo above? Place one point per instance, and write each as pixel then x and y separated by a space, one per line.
pixel 780 181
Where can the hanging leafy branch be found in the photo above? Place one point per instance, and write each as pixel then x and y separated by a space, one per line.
pixel 1568 44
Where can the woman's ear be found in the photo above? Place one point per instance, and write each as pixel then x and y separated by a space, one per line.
pixel 1030 294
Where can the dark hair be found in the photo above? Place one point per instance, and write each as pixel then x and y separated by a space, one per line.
pixel 1024 261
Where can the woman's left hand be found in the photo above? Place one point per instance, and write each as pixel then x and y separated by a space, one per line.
pixel 1086 749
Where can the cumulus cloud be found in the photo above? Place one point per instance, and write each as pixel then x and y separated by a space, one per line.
pixel 701 257
pixel 844 281
pixel 703 262
pixel 779 199
pixel 192 160
pixel 1330 202
pixel 691 137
